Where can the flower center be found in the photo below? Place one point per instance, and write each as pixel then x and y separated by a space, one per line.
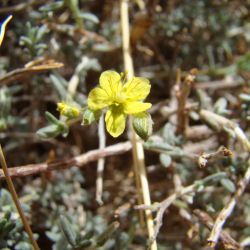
pixel 119 98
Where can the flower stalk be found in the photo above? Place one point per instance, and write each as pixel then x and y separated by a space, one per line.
pixel 138 152
pixel 16 201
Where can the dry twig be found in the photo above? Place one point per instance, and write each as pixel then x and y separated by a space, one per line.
pixel 78 161
pixel 205 157
pixel 31 68
pixel 227 241
pixel 162 206
pixel 182 92
pixel 21 6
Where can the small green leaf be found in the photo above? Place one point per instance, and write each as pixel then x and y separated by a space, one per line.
pixel 49 131
pixel 56 128
pixel 52 6
pixel 101 239
pixel 3 223
pixel 243 64
pixel 165 160
pixel 169 134
pixel 245 97
pixel 84 243
pixel 68 231
pixel 8 227
pixel 90 17
pixel 51 118
pixel 142 124
pixel 228 185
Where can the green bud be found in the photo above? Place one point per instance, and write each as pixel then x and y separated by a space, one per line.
pixel 68 110
pixel 142 124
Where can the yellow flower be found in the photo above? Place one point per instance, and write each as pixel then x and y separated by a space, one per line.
pixel 120 99
pixel 2 28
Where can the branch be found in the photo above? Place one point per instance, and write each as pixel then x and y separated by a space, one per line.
pixel 162 207
pixel 31 68
pixel 223 84
pixel 182 92
pixel 21 6
pixel 227 241
pixel 228 209
pixel 78 161
pixel 222 123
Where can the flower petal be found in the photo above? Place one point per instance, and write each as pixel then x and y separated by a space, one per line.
pixel 137 88
pixel 110 81
pixel 115 121
pixel 136 107
pixel 98 99
pixel 2 28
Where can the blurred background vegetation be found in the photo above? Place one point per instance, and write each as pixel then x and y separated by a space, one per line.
pixel 167 37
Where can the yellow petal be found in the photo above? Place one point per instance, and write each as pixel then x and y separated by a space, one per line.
pixel 137 88
pixel 98 99
pixel 110 81
pixel 2 28
pixel 115 121
pixel 136 107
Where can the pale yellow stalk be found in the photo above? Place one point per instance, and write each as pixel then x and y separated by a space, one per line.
pixel 138 152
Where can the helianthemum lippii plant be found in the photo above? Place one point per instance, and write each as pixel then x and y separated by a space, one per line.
pixel 115 97
pixel 120 99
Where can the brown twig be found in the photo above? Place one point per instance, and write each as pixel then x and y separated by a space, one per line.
pixel 220 84
pixel 228 209
pixel 227 241
pixel 205 157
pixel 33 67
pixel 21 6
pixel 162 206
pixel 198 132
pixel 182 92
pixel 16 201
pixel 78 161
pixel 72 31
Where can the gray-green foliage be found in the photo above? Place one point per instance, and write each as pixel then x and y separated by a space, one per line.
pixel 33 41
pixel 55 128
pixel 12 233
pixel 85 36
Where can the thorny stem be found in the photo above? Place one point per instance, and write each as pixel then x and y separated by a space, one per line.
pixel 16 201
pixel 138 153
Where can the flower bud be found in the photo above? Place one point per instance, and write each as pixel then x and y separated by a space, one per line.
pixel 142 124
